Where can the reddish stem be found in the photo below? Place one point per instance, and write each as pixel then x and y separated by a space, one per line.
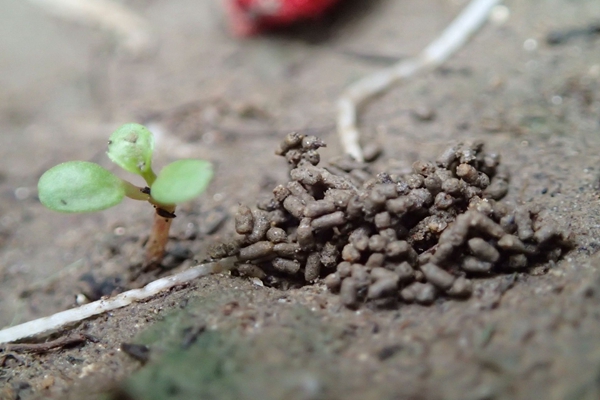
pixel 157 243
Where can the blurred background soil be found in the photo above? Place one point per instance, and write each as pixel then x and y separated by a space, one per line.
pixel 65 87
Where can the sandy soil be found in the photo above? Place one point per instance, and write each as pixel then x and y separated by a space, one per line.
pixel 67 87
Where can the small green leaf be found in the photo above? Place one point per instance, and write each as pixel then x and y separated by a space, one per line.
pixel 131 147
pixel 80 186
pixel 181 181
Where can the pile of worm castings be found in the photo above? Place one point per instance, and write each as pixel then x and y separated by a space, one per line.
pixel 390 237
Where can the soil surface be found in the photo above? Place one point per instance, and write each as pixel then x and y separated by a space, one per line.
pixel 66 87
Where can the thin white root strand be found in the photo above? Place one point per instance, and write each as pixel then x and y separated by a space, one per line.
pixel 73 315
pixel 133 32
pixel 452 39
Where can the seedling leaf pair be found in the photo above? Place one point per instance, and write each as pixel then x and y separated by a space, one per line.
pixel 80 186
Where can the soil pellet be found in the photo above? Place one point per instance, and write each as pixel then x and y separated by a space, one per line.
pixel 383 220
pixel 312 269
pixel 360 238
pixel 288 250
pixel 312 156
pixel 414 181
pixel 256 250
pixel 483 224
pixel 382 288
pixel 276 235
pixel 278 217
pixel 483 250
pixel 461 287
pixel 511 243
pixel 404 271
pixel 425 293
pixel 497 189
pixel 454 187
pixel 280 193
pixel 390 234
pixel 375 260
pixel 339 197
pixel 377 243
pixel 286 266
pixel 354 207
pixel 306 176
pixel 508 223
pixel 333 281
pixel 260 227
pixel 344 269
pixel 400 205
pixel 336 182
pixel 267 203
pixel 378 273
pixel 423 168
pixel 304 233
pixel 300 192
pixel 433 183
pixel 294 206
pixel 517 261
pixel 328 221
pixel 361 276
pixel 291 140
pixel 244 221
pixel 329 255
pixel 319 208
pixel 400 249
pixel 350 253
pixel 251 271
pixel 443 201
pixel 312 143
pixel 447 157
pixel 546 233
pixel 468 173
pixel 472 264
pixel 524 223
pixel 388 190
pixel 409 293
pixel 224 249
pixel 437 276
pixel 472 192
pixel 349 293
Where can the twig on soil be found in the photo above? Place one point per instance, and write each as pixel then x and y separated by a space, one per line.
pixel 438 51
pixel 132 31
pixel 73 315
pixel 64 341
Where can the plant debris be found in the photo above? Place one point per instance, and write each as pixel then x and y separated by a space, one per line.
pixel 389 237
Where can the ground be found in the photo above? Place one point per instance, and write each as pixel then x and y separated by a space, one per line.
pixel 66 87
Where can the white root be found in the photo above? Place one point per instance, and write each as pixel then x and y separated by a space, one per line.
pixel 73 315
pixel 438 51
pixel 132 31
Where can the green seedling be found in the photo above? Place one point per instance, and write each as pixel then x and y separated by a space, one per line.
pixel 81 186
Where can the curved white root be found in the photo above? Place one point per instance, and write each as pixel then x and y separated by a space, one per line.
pixel 63 318
pixel 133 32
pixel 451 39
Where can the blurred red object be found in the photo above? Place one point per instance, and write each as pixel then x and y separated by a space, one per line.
pixel 250 17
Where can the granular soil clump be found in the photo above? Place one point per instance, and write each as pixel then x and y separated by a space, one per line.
pixel 389 237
